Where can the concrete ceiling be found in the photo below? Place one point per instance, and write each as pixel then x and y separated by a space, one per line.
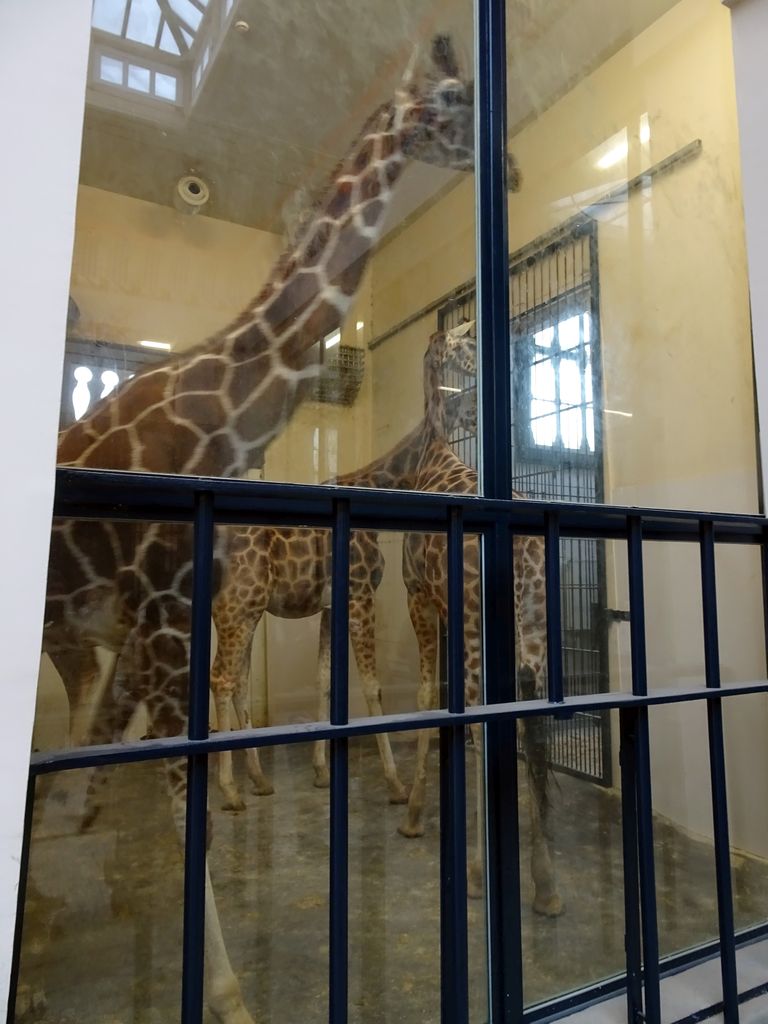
pixel 283 100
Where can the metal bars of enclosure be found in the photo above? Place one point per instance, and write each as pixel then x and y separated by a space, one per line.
pixel 103 495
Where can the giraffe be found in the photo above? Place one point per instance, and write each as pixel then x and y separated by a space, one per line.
pixel 287 572
pixel 426 582
pixel 212 411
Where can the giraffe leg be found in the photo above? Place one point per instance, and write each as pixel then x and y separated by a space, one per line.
pixel 322 775
pixel 472 664
pixel 424 621
pixel 117 711
pixel 546 900
pixel 222 990
pixel 241 703
pixel 475 865
pixel 96 715
pixel 362 631
pixel 235 626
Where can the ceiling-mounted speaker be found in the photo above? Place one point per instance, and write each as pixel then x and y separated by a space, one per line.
pixel 191 193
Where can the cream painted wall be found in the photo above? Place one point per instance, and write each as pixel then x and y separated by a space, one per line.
pixel 676 351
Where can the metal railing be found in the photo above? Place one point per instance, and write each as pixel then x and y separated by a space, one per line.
pixel 208 502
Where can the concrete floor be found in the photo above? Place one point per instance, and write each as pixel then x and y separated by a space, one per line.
pixel 115 898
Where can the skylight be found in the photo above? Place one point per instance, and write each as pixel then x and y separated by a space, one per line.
pixel 169 26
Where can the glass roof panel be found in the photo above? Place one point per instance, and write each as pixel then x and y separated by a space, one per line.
pixel 109 15
pixel 167 42
pixel 188 12
pixel 143 22
pixel 168 25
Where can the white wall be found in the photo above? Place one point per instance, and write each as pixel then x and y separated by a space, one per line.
pixel 43 54
pixel 749 24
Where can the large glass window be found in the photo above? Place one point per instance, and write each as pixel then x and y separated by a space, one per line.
pixel 274 276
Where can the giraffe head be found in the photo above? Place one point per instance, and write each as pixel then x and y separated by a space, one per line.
pixel 439 120
pixel 453 350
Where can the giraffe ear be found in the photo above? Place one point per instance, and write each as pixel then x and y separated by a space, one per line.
pixel 444 57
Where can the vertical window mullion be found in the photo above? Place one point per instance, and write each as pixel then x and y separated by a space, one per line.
pixel 339 755
pixel 554 613
pixel 642 776
pixel 453 830
pixel 717 776
pixel 197 765
pixel 503 875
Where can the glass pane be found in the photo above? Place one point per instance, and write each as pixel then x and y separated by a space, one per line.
pixel 615 240
pixel 571 871
pixel 108 15
pixel 544 426
pixel 270 867
pixel 572 427
pixel 568 332
pixel 138 78
pixel 102 927
pixel 143 21
pixel 111 70
pixel 570 382
pixel 545 337
pixel 543 380
pixel 165 86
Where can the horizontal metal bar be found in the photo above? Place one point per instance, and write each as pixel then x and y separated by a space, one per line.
pixel 303 732
pixel 591 995
pixel 103 494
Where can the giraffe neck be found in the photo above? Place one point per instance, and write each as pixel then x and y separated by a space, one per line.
pixel 214 409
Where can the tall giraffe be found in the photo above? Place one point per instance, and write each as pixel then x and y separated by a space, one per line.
pixel 287 572
pixel 426 580
pixel 212 411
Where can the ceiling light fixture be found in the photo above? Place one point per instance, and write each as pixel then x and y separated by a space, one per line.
pixel 444 387
pixel 332 339
pixel 164 345
pixel 613 156
pixel 618 412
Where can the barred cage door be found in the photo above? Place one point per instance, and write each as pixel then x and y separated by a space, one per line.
pixel 558 455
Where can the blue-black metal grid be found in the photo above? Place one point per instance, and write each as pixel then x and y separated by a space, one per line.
pixel 206 502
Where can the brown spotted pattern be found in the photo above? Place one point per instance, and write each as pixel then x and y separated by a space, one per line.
pixel 426 581
pixel 287 572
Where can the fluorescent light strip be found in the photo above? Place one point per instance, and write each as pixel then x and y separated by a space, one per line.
pixel 444 387
pixel 332 339
pixel 618 412
pixel 164 345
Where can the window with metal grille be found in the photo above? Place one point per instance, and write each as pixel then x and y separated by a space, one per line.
pixel 92 369
pixel 557 452
pixel 554 336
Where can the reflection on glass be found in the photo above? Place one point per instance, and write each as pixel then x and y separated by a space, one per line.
pixel 102 922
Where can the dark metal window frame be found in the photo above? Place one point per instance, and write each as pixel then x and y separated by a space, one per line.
pixel 496 519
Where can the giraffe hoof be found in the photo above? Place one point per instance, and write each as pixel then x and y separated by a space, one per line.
pixel 411 831
pixel 263 787
pixel 552 906
pixel 233 804
pixel 322 778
